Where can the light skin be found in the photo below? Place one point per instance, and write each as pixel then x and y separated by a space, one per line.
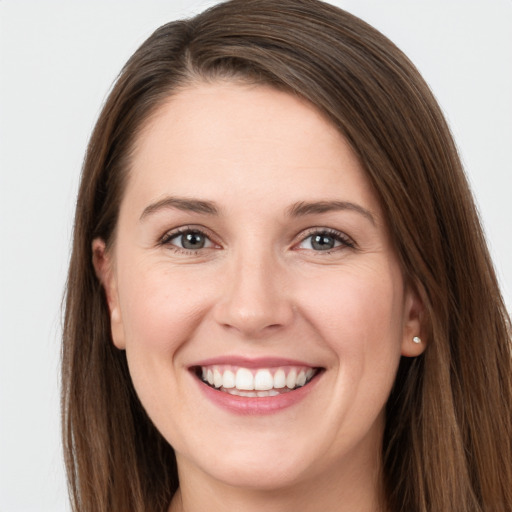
pixel 258 174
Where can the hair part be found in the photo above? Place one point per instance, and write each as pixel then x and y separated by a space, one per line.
pixel 448 435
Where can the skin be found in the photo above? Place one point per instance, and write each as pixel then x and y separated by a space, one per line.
pixel 259 289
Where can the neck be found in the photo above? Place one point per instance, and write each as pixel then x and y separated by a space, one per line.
pixel 341 501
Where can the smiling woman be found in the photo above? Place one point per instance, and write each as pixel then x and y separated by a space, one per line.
pixel 257 267
pixel 279 296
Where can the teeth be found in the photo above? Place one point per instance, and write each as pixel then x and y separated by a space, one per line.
pixel 228 380
pixel 217 378
pixel 291 380
pixel 279 379
pixel 301 379
pixel 260 394
pixel 261 382
pixel 244 379
pixel 270 392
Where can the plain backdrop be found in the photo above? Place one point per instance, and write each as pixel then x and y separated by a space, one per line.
pixel 57 63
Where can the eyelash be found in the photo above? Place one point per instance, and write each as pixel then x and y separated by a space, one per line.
pixel 338 236
pixel 166 240
pixel 344 240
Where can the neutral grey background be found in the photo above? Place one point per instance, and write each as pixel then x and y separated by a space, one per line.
pixel 57 62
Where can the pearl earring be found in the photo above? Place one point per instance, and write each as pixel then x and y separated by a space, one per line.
pixel 416 339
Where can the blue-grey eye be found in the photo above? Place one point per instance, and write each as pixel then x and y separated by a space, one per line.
pixel 190 240
pixel 193 240
pixel 325 241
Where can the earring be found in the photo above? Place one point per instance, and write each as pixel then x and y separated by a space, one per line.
pixel 416 339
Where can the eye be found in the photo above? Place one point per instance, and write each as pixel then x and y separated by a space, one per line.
pixel 325 240
pixel 188 239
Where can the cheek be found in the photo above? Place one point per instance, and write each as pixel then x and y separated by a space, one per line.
pixel 160 309
pixel 359 316
pixel 359 313
pixel 161 312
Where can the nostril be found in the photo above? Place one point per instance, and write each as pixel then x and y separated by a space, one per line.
pixel 254 300
pixel 256 321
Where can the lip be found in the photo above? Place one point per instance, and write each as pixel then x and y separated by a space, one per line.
pixel 246 362
pixel 246 406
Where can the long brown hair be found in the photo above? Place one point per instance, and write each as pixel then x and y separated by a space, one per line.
pixel 448 437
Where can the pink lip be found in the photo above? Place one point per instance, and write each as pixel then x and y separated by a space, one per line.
pixel 245 362
pixel 247 406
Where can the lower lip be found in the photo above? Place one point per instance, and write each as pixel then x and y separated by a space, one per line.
pixel 246 405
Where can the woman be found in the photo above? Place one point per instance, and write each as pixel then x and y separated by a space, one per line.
pixel 279 294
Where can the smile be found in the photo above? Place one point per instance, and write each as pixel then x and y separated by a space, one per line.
pixel 255 382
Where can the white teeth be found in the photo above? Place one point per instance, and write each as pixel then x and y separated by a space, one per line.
pixel 279 379
pixel 244 379
pixel 228 380
pixel 217 378
pixel 259 394
pixel 270 392
pixel 291 379
pixel 263 380
pixel 301 378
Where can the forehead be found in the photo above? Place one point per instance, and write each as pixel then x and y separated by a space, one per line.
pixel 226 140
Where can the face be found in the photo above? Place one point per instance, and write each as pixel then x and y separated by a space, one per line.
pixel 254 287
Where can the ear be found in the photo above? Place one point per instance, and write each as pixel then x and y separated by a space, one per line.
pixel 414 339
pixel 103 265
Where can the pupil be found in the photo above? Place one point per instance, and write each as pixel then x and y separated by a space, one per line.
pixel 322 242
pixel 193 241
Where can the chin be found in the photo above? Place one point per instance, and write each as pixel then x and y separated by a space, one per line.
pixel 262 475
pixel 262 465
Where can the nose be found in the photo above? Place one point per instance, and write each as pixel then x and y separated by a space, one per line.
pixel 255 300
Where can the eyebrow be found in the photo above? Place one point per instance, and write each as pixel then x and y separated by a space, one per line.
pixel 181 203
pixel 300 209
pixel 308 208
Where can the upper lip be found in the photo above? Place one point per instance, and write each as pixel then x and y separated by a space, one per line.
pixel 246 362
